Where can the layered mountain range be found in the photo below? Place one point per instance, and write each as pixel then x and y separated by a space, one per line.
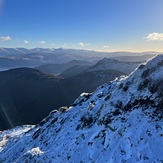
pixel 28 95
pixel 22 57
pixel 121 121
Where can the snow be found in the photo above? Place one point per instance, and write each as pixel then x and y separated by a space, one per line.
pixel 13 134
pixel 35 151
pixel 118 122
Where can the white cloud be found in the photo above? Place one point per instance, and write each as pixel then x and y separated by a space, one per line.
pixel 106 46
pixel 26 41
pixel 155 37
pixel 5 38
pixel 82 44
pixel 41 42
pixel 52 44
pixel 64 45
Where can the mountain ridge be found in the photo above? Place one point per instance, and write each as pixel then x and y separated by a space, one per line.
pixel 21 57
pixel 59 68
pixel 112 63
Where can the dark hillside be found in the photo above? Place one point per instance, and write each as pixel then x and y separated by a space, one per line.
pixel 24 95
pixel 28 95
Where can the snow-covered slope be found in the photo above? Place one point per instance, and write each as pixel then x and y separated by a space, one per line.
pixel 13 51
pixel 121 121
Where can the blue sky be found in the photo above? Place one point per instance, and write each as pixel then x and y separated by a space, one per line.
pixel 104 25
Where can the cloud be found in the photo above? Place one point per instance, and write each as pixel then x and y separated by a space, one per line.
pixel 26 41
pixel 64 45
pixel 52 44
pixel 41 42
pixel 155 37
pixel 82 44
pixel 5 38
pixel 106 46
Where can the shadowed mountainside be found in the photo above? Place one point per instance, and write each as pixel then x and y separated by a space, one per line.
pixel 27 95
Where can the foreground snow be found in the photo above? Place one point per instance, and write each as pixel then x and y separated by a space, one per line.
pixel 120 122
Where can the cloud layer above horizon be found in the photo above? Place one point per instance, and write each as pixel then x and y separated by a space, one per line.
pixel 155 36
pixel 5 38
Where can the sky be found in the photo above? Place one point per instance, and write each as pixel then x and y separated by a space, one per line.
pixel 102 25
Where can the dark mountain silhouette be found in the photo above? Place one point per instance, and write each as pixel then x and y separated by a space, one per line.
pixel 88 81
pixel 27 95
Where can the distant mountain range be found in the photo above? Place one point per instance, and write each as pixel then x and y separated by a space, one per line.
pixel 76 67
pixel 16 57
pixel 138 58
pixel 23 51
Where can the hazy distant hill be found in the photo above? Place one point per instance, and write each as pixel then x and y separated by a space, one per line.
pixel 59 68
pixel 139 58
pixel 110 63
pixel 12 62
pixel 72 71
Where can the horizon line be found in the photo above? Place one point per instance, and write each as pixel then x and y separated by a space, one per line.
pixel 120 51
